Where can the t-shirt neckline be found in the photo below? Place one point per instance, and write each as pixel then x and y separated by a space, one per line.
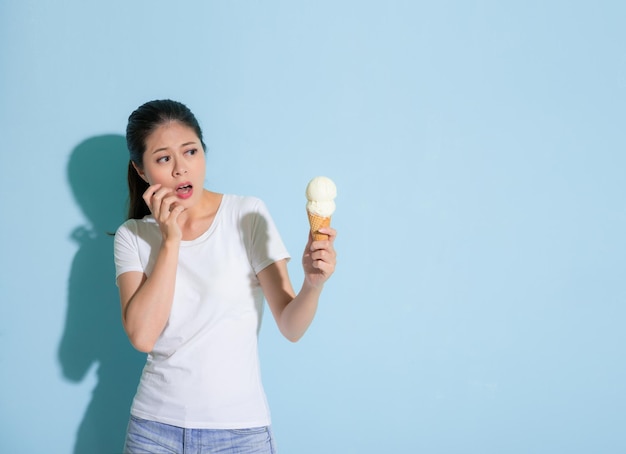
pixel 209 231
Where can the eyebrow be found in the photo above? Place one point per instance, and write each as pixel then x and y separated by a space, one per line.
pixel 167 148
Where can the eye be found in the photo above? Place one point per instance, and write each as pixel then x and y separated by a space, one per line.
pixel 163 159
pixel 192 151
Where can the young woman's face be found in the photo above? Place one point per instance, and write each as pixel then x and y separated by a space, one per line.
pixel 174 158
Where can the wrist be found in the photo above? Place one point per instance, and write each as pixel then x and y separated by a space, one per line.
pixel 171 243
pixel 312 287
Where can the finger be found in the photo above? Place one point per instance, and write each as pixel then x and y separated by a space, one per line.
pixel 155 199
pixel 167 203
pixel 151 190
pixel 323 245
pixel 156 203
pixel 176 212
pixel 149 193
pixel 320 254
pixel 332 233
pixel 161 193
pixel 325 255
pixel 326 268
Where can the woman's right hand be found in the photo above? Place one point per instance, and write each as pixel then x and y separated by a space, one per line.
pixel 165 209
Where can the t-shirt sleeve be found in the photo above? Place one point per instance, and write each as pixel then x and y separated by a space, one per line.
pixel 265 243
pixel 126 249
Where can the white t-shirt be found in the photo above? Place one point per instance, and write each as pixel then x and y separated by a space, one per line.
pixel 204 370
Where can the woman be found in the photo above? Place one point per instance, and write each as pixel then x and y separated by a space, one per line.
pixel 193 267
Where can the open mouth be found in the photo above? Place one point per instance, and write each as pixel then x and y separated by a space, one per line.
pixel 184 190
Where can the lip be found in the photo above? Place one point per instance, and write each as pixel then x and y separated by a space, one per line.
pixel 187 193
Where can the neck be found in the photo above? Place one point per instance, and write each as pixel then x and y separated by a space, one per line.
pixel 206 207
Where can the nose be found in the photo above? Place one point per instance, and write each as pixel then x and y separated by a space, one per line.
pixel 179 169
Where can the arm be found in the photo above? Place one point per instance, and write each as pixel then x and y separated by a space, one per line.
pixel 147 301
pixel 294 313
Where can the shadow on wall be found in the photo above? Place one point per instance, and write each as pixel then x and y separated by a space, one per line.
pixel 93 334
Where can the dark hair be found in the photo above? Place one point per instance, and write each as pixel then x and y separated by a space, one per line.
pixel 141 123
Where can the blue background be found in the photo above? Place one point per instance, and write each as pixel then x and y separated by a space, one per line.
pixel 479 153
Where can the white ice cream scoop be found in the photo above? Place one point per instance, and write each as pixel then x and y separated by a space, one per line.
pixel 321 193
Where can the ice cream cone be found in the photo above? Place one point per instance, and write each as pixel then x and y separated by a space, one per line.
pixel 316 223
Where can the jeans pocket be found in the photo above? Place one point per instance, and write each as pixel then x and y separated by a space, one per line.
pixel 249 431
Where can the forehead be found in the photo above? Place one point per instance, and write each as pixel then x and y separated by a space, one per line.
pixel 170 135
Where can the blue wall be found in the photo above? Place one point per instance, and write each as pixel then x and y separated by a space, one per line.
pixel 479 153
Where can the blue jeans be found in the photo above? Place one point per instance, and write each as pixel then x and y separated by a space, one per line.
pixel 152 437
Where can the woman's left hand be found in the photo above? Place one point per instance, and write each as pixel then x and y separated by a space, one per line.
pixel 319 258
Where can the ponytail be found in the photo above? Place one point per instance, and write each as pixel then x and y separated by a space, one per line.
pixel 137 207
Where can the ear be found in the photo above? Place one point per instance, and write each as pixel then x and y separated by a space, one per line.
pixel 140 172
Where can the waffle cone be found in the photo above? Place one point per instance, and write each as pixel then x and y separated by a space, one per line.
pixel 316 223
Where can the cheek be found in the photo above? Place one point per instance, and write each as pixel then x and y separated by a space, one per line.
pixel 153 175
